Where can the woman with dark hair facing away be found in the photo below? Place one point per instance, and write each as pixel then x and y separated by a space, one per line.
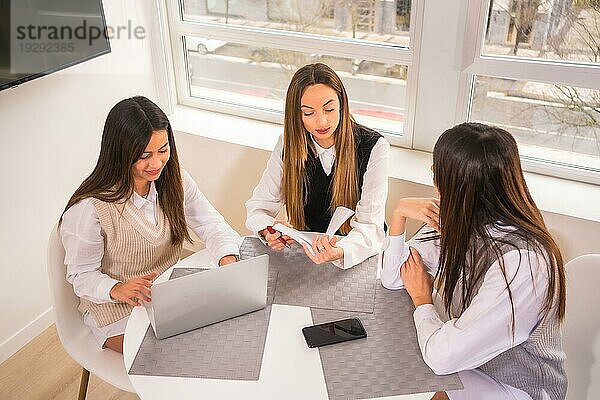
pixel 498 272
pixel 127 221
pixel 323 160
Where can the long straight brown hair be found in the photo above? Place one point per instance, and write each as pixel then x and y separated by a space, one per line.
pixel 477 171
pixel 296 142
pixel 127 131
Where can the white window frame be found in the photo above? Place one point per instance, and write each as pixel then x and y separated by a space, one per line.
pixel 538 70
pixel 294 41
pixel 446 38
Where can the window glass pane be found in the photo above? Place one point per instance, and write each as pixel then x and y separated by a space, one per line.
pixel 371 20
pixel 544 29
pixel 551 122
pixel 257 77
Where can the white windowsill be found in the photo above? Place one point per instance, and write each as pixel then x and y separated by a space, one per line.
pixel 560 196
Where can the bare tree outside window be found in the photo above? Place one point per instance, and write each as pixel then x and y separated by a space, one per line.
pixel 558 117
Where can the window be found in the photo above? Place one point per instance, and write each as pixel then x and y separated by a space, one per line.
pixel 536 73
pixel 411 68
pixel 239 55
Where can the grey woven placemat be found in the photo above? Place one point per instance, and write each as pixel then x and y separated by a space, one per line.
pixel 388 362
pixel 302 283
pixel 231 349
pixel 179 272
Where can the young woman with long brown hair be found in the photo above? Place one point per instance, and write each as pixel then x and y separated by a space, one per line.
pixel 127 221
pixel 324 160
pixel 497 270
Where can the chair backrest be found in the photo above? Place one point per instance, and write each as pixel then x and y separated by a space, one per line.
pixel 69 323
pixel 76 338
pixel 581 328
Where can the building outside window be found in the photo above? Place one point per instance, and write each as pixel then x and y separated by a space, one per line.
pixel 532 66
pixel 239 55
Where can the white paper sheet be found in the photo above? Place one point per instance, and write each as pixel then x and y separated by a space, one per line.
pixel 299 236
pixel 340 215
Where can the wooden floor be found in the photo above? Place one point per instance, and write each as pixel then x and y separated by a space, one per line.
pixel 43 370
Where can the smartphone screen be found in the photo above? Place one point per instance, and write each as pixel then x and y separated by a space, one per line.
pixel 334 332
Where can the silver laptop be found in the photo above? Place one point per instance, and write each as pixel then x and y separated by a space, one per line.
pixel 212 295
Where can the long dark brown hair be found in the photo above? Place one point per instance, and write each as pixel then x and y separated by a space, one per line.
pixel 477 171
pixel 127 131
pixel 296 141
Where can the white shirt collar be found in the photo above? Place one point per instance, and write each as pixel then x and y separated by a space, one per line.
pixel 326 156
pixel 321 150
pixel 140 201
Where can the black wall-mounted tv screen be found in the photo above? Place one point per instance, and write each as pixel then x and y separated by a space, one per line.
pixel 38 37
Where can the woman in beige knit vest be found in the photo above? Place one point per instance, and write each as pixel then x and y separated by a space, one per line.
pixel 127 221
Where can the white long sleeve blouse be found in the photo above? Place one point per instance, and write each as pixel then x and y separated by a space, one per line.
pixel 483 330
pixel 366 237
pixel 83 241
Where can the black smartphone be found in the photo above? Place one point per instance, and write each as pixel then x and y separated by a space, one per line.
pixel 334 332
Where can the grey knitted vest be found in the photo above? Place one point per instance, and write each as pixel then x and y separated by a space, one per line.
pixel 535 366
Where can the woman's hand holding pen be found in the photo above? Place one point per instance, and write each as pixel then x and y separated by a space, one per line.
pixel 324 250
pixel 275 239
pixel 134 290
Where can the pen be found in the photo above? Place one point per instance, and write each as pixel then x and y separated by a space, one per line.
pixel 282 240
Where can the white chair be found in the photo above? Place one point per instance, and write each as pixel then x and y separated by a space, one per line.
pixel 76 338
pixel 581 328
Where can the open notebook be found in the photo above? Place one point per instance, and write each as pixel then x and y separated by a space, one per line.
pixel 340 215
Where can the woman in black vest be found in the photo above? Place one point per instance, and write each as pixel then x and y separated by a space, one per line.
pixel 323 160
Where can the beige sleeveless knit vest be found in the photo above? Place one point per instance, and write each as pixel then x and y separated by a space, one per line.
pixel 133 247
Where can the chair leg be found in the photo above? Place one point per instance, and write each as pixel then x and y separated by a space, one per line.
pixel 85 378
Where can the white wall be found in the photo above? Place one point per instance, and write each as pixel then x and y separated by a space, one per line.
pixel 51 129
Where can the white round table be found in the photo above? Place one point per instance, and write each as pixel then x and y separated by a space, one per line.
pixel 289 369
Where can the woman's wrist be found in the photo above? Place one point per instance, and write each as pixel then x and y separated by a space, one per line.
pixel 420 300
pixel 397 224
pixel 399 209
pixel 113 290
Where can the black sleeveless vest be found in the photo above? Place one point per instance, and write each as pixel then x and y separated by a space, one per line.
pixel 318 197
